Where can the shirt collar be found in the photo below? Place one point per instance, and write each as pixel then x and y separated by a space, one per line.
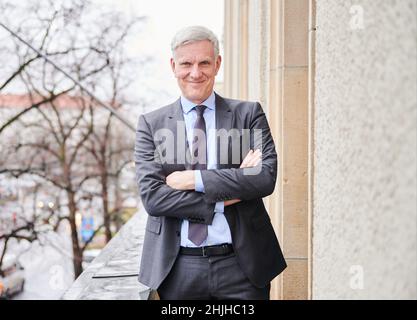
pixel 187 105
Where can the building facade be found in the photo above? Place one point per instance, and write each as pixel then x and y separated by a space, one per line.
pixel 337 80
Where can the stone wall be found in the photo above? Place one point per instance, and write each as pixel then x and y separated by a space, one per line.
pixel 364 212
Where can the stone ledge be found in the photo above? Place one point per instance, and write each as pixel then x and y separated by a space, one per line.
pixel 113 275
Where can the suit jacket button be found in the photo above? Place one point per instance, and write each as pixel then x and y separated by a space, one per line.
pixel 178 233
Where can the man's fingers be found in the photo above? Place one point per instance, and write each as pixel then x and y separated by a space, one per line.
pixel 230 202
pixel 252 159
pixel 257 157
pixel 258 161
pixel 257 153
pixel 246 160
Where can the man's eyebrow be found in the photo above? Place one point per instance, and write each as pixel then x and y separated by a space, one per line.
pixel 208 59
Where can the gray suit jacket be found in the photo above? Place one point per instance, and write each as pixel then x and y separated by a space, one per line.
pixel 255 243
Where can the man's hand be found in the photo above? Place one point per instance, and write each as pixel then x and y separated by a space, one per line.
pixel 252 159
pixel 181 180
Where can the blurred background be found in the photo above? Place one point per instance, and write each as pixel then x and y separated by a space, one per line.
pixel 67 181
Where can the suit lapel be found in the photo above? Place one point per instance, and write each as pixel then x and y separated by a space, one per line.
pixel 176 124
pixel 223 121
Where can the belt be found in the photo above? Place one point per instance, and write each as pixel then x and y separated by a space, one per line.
pixel 218 250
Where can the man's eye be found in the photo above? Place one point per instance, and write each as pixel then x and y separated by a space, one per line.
pixel 185 64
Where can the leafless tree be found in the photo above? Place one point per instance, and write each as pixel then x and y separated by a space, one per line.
pixel 21 227
pixel 69 147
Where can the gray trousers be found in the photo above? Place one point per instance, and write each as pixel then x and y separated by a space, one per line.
pixel 209 278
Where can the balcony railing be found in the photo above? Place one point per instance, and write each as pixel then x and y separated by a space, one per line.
pixel 113 275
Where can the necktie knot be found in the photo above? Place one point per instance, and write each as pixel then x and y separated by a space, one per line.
pixel 200 110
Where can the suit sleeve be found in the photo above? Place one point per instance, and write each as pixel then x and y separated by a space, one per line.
pixel 199 187
pixel 157 197
pixel 246 183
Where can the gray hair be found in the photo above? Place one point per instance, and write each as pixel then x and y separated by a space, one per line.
pixel 194 34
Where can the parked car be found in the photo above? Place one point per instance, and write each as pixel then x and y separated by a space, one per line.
pixel 12 277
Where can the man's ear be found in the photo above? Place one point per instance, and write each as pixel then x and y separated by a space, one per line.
pixel 218 63
pixel 172 61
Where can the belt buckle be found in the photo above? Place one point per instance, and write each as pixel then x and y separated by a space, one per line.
pixel 224 248
pixel 204 251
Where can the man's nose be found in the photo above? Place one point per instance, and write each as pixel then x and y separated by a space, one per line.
pixel 195 72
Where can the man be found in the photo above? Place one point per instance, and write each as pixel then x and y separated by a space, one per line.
pixel 208 234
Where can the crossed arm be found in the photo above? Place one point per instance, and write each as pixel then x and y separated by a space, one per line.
pixel 185 180
pixel 158 198
pixel 255 178
pixel 163 196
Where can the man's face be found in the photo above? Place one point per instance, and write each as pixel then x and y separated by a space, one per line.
pixel 195 68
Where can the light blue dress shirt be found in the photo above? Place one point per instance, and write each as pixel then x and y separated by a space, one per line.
pixel 218 231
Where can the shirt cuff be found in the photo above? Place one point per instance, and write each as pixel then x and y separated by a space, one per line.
pixel 219 207
pixel 199 186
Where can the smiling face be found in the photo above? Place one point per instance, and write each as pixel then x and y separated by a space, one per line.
pixel 195 67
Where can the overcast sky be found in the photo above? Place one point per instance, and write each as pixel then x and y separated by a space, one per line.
pixel 165 17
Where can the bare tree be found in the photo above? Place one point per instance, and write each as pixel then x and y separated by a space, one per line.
pixel 70 146
pixel 110 149
pixel 24 58
pixel 21 227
